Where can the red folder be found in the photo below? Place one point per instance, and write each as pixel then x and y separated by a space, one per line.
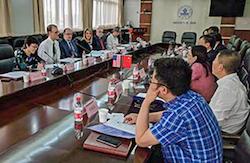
pixel 126 61
pixel 91 144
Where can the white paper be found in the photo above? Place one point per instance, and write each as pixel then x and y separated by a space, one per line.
pixel 118 123
pixel 14 74
pixel 50 66
pixel 143 95
pixel 70 60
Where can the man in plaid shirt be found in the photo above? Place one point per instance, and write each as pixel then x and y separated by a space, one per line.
pixel 187 130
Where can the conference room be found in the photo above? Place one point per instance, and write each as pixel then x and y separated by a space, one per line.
pixel 140 81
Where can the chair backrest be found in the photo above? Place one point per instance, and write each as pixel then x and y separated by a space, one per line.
pixel 242 149
pixel 236 44
pixel 38 37
pixel 4 41
pixel 246 60
pixel 189 38
pixel 243 48
pixel 231 42
pixel 18 42
pixel 6 58
pixel 168 36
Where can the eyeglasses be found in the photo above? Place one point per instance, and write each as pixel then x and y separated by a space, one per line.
pixel 150 82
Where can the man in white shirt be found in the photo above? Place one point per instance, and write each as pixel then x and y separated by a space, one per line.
pixel 229 102
pixel 112 40
pixel 49 49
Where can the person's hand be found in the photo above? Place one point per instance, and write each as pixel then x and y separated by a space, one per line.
pixel 40 66
pixel 152 93
pixel 130 118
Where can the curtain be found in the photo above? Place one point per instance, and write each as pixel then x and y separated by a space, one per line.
pixel 63 13
pixel 87 13
pixel 105 13
pixel 5 18
pixel 38 16
pixel 120 13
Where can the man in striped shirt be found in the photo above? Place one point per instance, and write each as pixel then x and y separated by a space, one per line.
pixel 187 129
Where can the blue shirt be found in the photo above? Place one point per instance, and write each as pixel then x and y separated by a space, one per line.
pixel 188 131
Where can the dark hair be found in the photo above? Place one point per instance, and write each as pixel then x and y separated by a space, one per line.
pixel 50 26
pixel 209 39
pixel 217 36
pixel 230 60
pixel 201 53
pixel 213 29
pixel 116 29
pixel 30 40
pixel 65 30
pixel 175 73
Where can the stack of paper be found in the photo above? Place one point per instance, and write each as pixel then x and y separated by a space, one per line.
pixel 14 74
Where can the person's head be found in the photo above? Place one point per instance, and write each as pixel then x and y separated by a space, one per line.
pixel 171 77
pixel 116 31
pixel 31 44
pixel 205 32
pixel 197 54
pixel 217 37
pixel 99 32
pixel 213 29
pixel 67 34
pixel 53 32
pixel 225 63
pixel 207 41
pixel 87 35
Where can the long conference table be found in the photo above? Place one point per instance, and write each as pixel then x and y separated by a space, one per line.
pixel 36 119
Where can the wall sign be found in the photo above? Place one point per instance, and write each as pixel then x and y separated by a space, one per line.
pixel 184 13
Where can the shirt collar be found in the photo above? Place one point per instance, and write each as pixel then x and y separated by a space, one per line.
pixel 223 79
pixel 181 98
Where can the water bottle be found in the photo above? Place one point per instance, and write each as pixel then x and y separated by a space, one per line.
pixel 111 92
pixel 78 116
pixel 136 74
pixel 78 108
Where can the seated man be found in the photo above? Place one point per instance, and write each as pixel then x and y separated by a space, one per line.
pixel 229 102
pixel 98 42
pixel 67 45
pixel 218 44
pixel 49 49
pixel 112 40
pixel 187 130
pixel 209 42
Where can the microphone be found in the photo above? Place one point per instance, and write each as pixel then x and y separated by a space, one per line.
pixel 83 48
pixel 56 70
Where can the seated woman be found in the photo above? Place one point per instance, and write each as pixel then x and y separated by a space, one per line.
pixel 85 44
pixel 203 81
pixel 26 57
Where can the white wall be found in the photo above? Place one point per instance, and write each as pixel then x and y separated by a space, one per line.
pixel 165 13
pixel 132 12
pixel 22 11
pixel 243 23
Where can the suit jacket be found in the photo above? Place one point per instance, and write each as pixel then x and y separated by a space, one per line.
pixel 66 51
pixel 82 45
pixel 97 43
pixel 219 47
pixel 211 55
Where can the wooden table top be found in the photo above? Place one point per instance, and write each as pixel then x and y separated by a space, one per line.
pixel 38 117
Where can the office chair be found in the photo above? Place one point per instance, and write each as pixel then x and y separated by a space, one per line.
pixel 236 44
pixel 189 38
pixel 18 42
pixel 243 48
pixel 6 58
pixel 168 36
pixel 231 41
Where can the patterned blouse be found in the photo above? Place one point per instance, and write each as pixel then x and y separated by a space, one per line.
pixel 24 62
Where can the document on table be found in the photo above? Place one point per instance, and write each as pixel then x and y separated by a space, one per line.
pixel 14 74
pixel 70 60
pixel 116 127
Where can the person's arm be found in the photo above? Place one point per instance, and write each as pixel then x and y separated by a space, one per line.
pixel 41 52
pixel 222 104
pixel 20 62
pixel 144 137
pixel 153 117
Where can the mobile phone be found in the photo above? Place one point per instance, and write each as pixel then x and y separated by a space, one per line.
pixel 108 140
